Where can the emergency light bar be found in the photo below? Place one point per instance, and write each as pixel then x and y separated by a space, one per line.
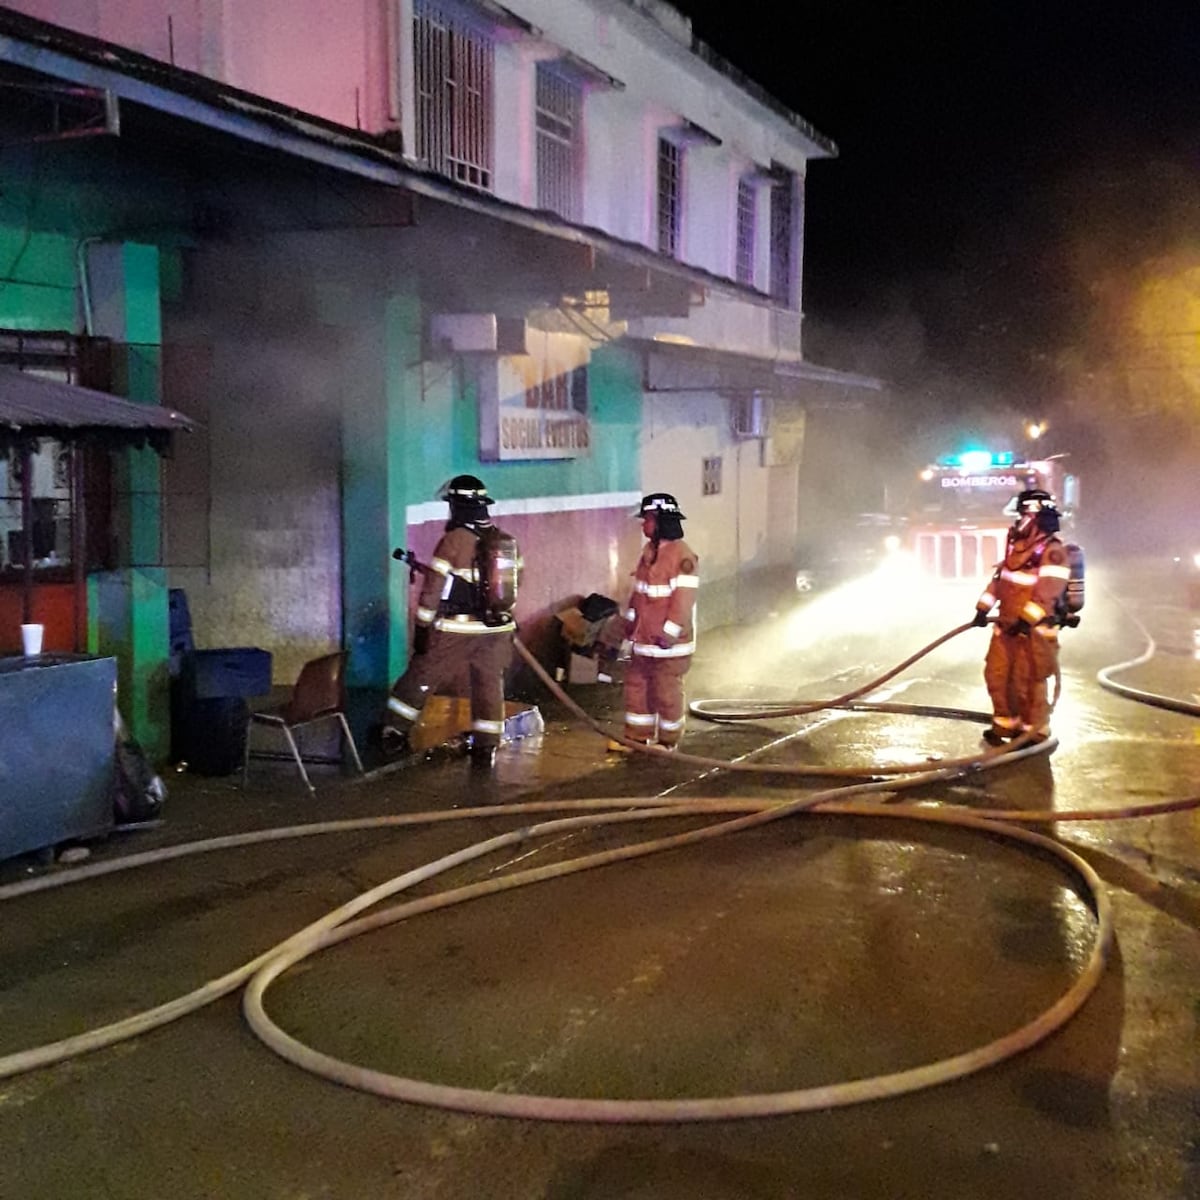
pixel 977 460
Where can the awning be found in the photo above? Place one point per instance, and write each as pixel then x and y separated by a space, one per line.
pixel 33 407
pixel 674 366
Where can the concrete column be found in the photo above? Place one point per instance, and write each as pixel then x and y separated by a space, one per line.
pixel 128 607
pixel 376 446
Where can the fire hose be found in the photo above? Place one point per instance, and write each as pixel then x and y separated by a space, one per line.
pixel 346 922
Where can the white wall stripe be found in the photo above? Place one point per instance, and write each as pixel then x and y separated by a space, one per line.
pixel 435 510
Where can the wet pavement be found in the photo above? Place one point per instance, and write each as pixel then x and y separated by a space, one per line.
pixel 810 951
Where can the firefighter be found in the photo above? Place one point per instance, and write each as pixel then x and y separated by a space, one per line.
pixel 464 622
pixel 1029 586
pixel 660 625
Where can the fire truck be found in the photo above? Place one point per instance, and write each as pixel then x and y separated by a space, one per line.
pixel 965 503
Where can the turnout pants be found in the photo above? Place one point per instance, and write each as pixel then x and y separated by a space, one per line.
pixel 1015 672
pixel 484 656
pixel 654 707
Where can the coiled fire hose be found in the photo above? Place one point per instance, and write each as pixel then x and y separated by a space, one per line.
pixel 339 925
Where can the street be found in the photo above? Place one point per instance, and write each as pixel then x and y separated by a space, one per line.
pixel 803 953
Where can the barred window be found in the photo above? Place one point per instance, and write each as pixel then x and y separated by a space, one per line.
pixel 559 105
pixel 670 196
pixel 783 202
pixel 747 222
pixel 453 64
pixel 56 499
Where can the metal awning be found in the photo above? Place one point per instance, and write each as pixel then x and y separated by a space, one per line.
pixel 34 407
pixel 679 366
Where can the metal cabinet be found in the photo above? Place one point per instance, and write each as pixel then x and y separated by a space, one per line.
pixel 56 750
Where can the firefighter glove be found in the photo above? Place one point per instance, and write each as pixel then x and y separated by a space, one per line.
pixel 1021 628
pixel 420 639
pixel 980 619
pixel 664 642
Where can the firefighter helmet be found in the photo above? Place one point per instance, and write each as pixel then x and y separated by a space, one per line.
pixel 660 503
pixel 1037 507
pixel 466 489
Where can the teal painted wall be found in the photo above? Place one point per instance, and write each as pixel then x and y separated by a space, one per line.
pixel 126 302
pixel 380 437
pixel 408 432
pixel 447 407
pixel 57 202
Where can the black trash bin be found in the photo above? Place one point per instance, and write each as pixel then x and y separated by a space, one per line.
pixel 209 690
pixel 214 687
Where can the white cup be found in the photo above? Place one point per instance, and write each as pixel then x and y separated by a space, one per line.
pixel 31 639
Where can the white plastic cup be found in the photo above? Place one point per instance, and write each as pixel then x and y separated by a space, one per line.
pixel 31 639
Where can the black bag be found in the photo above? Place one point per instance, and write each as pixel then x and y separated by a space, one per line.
pixel 138 792
pixel 597 607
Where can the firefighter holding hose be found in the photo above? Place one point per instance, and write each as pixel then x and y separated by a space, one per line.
pixel 464 622
pixel 1030 587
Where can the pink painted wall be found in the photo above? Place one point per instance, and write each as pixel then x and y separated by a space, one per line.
pixel 325 57
pixel 567 555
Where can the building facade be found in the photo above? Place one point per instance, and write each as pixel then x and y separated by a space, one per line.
pixel 555 243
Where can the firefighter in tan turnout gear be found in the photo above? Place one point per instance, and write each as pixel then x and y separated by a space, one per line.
pixel 464 622
pixel 660 624
pixel 1029 586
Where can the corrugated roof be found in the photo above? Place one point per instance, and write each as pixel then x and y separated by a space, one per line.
pixel 31 406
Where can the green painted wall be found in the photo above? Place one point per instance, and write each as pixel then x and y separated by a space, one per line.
pixel 449 444
pixel 60 203
pixel 409 430
pixel 379 440
pixel 132 615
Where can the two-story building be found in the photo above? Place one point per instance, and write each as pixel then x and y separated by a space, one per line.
pixel 555 243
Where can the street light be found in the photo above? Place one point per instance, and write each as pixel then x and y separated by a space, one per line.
pixel 1034 430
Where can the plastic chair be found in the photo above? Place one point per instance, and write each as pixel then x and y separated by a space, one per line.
pixel 317 696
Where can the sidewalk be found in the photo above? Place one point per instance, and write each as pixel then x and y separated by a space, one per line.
pixel 550 747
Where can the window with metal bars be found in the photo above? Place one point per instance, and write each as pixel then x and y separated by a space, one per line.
pixel 783 249
pixel 747 229
pixel 559 106
pixel 670 196
pixel 63 511
pixel 453 65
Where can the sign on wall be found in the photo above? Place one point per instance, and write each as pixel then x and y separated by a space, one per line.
pixel 535 405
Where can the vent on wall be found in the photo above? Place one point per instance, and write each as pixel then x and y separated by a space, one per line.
pixel 750 413
pixel 476 333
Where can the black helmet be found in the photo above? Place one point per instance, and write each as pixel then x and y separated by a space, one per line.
pixel 466 489
pixel 1033 500
pixel 660 503
pixel 1036 506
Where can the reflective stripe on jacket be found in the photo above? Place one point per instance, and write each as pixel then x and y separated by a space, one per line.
pixel 1028 584
pixel 454 562
pixel 662 609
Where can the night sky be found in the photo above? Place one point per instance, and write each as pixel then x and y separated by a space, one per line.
pixel 986 152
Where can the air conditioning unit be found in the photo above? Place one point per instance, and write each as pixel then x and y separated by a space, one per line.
pixel 476 333
pixel 751 414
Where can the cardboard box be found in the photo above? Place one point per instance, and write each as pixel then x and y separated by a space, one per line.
pixel 577 630
pixel 583 668
pixel 611 635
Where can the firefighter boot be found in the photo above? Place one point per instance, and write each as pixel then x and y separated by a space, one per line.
pixel 993 737
pixel 483 757
pixel 394 743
